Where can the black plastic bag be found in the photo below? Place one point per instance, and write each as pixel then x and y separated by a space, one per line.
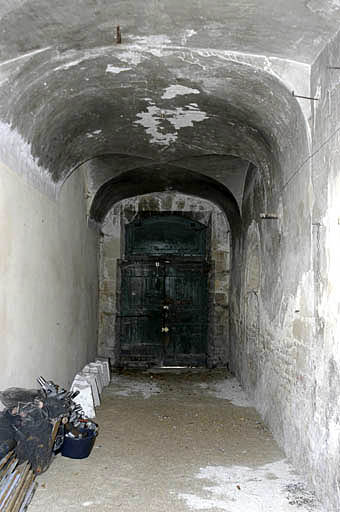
pixel 7 440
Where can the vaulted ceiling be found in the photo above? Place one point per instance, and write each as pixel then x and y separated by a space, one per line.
pixel 200 85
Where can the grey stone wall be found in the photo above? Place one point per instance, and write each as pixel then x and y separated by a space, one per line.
pixel 112 248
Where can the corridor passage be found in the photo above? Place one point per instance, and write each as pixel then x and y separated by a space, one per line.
pixel 176 440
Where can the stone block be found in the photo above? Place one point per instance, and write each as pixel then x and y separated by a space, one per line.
pixel 105 362
pixel 91 379
pixel 221 298
pixel 96 372
pixel 85 397
pixel 108 287
pixel 101 371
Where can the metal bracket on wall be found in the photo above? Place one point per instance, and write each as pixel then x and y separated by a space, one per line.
pixel 269 216
pixel 304 97
pixel 118 35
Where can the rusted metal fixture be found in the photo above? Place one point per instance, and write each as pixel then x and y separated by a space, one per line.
pixel 269 216
pixel 118 35
pixel 304 97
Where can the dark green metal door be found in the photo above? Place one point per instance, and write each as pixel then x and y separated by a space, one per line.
pixel 164 313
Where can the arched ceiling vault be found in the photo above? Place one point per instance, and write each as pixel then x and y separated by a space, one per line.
pixel 191 83
pixel 158 179
pixel 230 171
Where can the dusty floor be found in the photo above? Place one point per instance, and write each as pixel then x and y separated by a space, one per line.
pixel 176 442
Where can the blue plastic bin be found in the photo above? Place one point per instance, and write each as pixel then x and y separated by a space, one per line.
pixel 76 448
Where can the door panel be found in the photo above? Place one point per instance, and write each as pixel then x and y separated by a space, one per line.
pixel 186 293
pixel 140 319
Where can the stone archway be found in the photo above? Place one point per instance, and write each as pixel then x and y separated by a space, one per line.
pixel 113 251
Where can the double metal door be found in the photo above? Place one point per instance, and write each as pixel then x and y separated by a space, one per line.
pixel 164 312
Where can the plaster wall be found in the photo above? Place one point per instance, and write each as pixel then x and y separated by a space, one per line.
pixel 48 282
pixel 272 301
pixel 112 249
pixel 324 429
pixel 286 315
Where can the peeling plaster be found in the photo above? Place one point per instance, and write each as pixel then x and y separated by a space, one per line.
pixel 151 121
pixel 293 74
pixel 178 90
pixel 182 117
pixel 113 69
pixel 90 135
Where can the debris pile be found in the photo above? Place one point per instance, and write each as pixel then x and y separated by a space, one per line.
pixel 34 426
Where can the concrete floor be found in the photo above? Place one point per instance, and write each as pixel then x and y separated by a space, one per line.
pixel 176 441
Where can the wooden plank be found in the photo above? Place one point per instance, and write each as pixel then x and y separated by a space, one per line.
pixel 15 479
pixel 8 470
pixel 24 469
pixel 54 433
pixel 5 467
pixel 28 497
pixel 6 486
pixel 4 461
pixel 24 490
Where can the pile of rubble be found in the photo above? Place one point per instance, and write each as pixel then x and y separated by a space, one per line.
pixel 38 423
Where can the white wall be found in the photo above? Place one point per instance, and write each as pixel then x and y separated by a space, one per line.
pixel 48 282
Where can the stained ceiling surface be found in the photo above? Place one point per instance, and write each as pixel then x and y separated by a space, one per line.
pixel 196 85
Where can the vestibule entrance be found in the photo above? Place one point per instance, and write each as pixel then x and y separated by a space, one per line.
pixel 157 250
pixel 163 313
